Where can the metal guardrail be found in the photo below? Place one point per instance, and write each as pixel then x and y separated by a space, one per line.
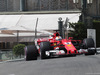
pixel 98 50
pixel 8 55
pixel 40 12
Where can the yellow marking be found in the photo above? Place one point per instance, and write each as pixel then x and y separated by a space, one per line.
pixel 54 44
pixel 69 45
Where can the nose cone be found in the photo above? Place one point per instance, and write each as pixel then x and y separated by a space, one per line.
pixel 73 51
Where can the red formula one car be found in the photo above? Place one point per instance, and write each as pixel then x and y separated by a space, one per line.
pixel 52 46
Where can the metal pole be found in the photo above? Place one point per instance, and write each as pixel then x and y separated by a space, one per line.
pixel 1 55
pixel 17 36
pixel 97 3
pixel 67 4
pixel 36 29
pixel 49 5
pixel 84 11
pixel 66 23
pixel 6 5
pixel 22 5
pixel 58 4
pixel 40 5
pixel 60 27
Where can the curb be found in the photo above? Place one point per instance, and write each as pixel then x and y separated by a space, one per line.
pixel 22 59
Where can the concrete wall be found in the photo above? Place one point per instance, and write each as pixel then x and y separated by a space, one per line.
pixel 40 5
pixel 2 5
pixel 9 5
pixel 36 5
pixel 31 5
pixel 94 8
pixel 13 5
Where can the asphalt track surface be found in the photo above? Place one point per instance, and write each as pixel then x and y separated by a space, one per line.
pixel 79 65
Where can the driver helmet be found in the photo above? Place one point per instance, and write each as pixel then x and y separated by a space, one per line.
pixel 58 38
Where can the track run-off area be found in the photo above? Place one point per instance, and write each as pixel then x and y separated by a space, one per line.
pixel 79 65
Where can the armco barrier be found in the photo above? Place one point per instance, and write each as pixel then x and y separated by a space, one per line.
pixel 98 50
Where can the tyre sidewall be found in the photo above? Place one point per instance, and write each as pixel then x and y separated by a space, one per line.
pixel 44 46
pixel 31 52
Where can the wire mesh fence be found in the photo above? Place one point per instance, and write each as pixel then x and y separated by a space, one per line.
pixel 8 55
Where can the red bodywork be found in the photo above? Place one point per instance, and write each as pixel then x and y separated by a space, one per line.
pixel 62 43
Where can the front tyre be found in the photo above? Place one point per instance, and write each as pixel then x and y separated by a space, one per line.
pixel 44 46
pixel 31 52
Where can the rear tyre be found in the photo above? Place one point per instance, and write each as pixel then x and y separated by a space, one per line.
pixel 31 53
pixel 89 43
pixel 44 46
pixel 90 53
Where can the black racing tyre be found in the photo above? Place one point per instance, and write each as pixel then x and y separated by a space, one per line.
pixel 91 52
pixel 31 52
pixel 88 42
pixel 44 46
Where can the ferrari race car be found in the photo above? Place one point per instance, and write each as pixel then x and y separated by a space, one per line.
pixel 56 46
